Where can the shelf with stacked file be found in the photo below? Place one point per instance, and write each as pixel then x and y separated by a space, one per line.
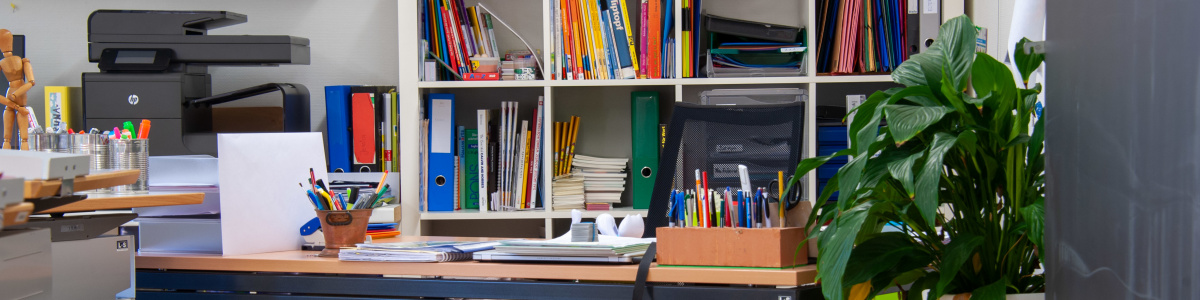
pixel 471 214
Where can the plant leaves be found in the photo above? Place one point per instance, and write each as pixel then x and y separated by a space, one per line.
pixel 1026 62
pixel 865 126
pixel 860 291
pixel 1037 139
pixel 930 175
pixel 905 121
pixel 992 291
pixel 957 39
pixel 835 245
pixel 921 69
pixel 877 253
pixel 989 76
pixel 1035 218
pixel 924 283
pixel 902 171
pixel 956 254
pixel 810 164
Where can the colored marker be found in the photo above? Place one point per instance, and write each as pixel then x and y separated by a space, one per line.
pixel 144 129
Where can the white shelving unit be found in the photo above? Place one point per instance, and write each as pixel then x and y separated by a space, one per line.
pixel 566 97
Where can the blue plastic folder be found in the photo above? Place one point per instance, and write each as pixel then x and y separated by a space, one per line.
pixel 337 112
pixel 441 152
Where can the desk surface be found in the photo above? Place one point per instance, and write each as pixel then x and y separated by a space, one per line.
pixel 307 262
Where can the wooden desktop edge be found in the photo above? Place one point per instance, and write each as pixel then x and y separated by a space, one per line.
pixel 305 262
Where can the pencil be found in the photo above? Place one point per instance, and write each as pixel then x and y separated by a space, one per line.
pixel 379 187
pixel 782 204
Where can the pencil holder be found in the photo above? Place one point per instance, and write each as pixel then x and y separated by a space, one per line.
pixel 343 228
pixel 50 142
pixel 732 247
pixel 127 154
pixel 95 146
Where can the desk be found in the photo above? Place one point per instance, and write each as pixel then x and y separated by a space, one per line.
pixel 302 275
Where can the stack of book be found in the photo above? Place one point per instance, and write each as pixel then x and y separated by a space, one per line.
pixel 455 33
pixel 606 246
pixel 568 192
pixel 430 251
pixel 593 39
pixel 603 180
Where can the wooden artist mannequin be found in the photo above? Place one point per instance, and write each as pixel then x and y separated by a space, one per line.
pixel 19 74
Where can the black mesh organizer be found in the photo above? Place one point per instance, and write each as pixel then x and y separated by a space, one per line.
pixel 716 139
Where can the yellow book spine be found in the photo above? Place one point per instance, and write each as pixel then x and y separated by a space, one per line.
pixel 633 57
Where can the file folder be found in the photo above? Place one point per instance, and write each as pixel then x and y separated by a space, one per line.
pixel 441 153
pixel 337 114
pixel 367 127
pixel 364 115
pixel 644 125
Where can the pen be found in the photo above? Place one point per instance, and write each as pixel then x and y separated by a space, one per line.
pixel 707 201
pixel 144 130
pixel 116 133
pixel 129 126
pixel 670 209
pixel 342 201
pixel 313 197
pixel 321 184
pixel 325 196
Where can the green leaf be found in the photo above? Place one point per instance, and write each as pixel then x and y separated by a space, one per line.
pixel 865 126
pixel 930 175
pixel 921 69
pixel 877 253
pixel 1035 218
pixel 906 270
pixel 835 246
pixel 849 181
pixel 924 283
pixel 953 258
pixel 992 291
pixel 905 121
pixel 989 76
pixel 810 164
pixel 957 39
pixel 1037 140
pixel 1027 62
pixel 902 171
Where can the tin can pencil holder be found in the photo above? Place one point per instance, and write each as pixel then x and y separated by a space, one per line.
pixel 343 228
pixel 95 146
pixel 50 142
pixel 124 154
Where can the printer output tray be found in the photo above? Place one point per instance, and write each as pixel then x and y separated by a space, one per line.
pixel 210 49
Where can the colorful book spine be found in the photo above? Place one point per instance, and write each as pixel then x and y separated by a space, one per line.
pixel 631 50
pixel 470 163
pixel 482 122
pixel 536 162
pixel 644 42
pixel 655 37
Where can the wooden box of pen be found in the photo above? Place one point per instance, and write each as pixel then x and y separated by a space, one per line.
pixel 732 247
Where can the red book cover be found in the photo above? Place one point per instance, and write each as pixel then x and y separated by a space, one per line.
pixel 363 129
pixel 654 34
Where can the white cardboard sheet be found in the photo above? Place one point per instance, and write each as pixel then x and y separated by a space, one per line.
pixel 262 204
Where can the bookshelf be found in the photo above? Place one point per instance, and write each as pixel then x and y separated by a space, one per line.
pixel 596 101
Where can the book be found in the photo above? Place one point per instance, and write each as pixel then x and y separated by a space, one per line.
pixel 654 35
pixel 471 170
pixel 428 251
pixel 337 121
pixel 536 163
pixel 483 125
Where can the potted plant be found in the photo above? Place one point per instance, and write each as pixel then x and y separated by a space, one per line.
pixel 958 135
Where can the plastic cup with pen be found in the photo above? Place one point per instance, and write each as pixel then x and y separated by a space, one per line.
pixel 343 223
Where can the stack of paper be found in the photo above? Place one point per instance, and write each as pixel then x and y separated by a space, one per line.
pixel 430 251
pixel 606 246
pixel 603 180
pixel 568 192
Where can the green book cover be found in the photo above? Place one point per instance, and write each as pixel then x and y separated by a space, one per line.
pixel 644 125
pixel 470 172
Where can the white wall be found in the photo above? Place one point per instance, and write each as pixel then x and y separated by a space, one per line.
pixel 351 42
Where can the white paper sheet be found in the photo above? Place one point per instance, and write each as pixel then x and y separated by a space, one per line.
pixel 262 204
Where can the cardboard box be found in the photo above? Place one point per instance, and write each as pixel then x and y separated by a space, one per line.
pixel 732 247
